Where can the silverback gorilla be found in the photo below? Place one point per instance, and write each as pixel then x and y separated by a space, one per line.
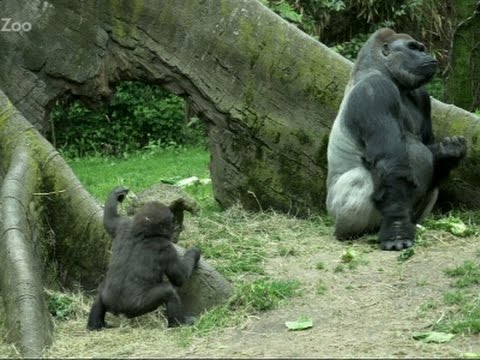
pixel 383 165
pixel 142 255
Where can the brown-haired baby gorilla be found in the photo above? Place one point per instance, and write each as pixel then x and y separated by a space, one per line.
pixel 142 254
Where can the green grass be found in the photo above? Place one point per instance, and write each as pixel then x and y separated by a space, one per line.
pixel 465 275
pixel 463 315
pixel 321 287
pixel 249 297
pixel 264 293
pixel 139 171
pixel 61 306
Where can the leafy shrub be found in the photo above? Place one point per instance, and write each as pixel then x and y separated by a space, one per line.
pixel 350 48
pixel 343 23
pixel 62 306
pixel 138 116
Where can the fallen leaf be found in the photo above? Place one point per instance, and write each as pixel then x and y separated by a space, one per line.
pixel 433 337
pixel 471 355
pixel 303 322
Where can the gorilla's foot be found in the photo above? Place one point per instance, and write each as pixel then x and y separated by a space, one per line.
pixel 98 326
pixel 396 235
pixel 183 321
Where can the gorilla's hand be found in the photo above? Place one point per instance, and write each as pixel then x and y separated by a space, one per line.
pixel 194 253
pixel 120 193
pixel 450 147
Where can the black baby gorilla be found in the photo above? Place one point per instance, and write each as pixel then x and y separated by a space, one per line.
pixel 383 165
pixel 142 254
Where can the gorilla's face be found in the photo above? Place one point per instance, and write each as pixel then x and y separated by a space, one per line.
pixel 408 62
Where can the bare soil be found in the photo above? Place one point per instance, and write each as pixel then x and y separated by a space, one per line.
pixel 370 311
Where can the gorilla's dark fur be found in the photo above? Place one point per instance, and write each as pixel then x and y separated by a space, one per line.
pixel 142 255
pixel 384 167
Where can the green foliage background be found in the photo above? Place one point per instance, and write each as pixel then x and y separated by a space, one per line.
pixel 139 116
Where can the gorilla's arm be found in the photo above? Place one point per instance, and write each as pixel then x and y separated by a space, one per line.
pixel 180 269
pixel 111 218
pixel 422 100
pixel 374 110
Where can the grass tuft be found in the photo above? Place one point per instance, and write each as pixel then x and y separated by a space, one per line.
pixel 463 315
pixel 66 306
pixel 264 294
pixel 466 274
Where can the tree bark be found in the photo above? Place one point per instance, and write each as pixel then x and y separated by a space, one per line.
pixel 267 92
pixel 463 83
pixel 48 226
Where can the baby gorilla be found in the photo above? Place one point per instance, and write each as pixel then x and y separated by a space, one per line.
pixel 142 254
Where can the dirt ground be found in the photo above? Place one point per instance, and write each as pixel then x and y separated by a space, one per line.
pixel 371 311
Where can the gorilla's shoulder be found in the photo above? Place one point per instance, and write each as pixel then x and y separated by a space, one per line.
pixel 373 89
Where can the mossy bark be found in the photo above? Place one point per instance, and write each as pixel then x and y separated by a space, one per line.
pixel 37 220
pixel 463 83
pixel 462 188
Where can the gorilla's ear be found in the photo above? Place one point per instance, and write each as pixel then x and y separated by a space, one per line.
pixel 385 49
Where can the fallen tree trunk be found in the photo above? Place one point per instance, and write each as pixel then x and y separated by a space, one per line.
pixel 36 187
pixel 21 272
pixel 463 186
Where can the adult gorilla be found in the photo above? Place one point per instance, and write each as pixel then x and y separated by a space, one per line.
pixel 383 165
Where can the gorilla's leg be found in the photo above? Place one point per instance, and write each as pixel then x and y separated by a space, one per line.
pixel 96 318
pixel 397 194
pixel 175 314
pixel 163 293
pixel 349 202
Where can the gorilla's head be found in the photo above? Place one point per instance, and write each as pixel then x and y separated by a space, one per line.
pixel 398 56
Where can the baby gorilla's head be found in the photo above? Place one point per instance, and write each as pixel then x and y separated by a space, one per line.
pixel 153 219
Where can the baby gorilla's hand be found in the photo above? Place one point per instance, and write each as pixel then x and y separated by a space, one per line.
pixel 120 193
pixel 194 253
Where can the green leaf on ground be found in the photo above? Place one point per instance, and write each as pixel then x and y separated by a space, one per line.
pixel 453 225
pixel 433 337
pixel 349 255
pixel 471 355
pixel 406 254
pixel 303 322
